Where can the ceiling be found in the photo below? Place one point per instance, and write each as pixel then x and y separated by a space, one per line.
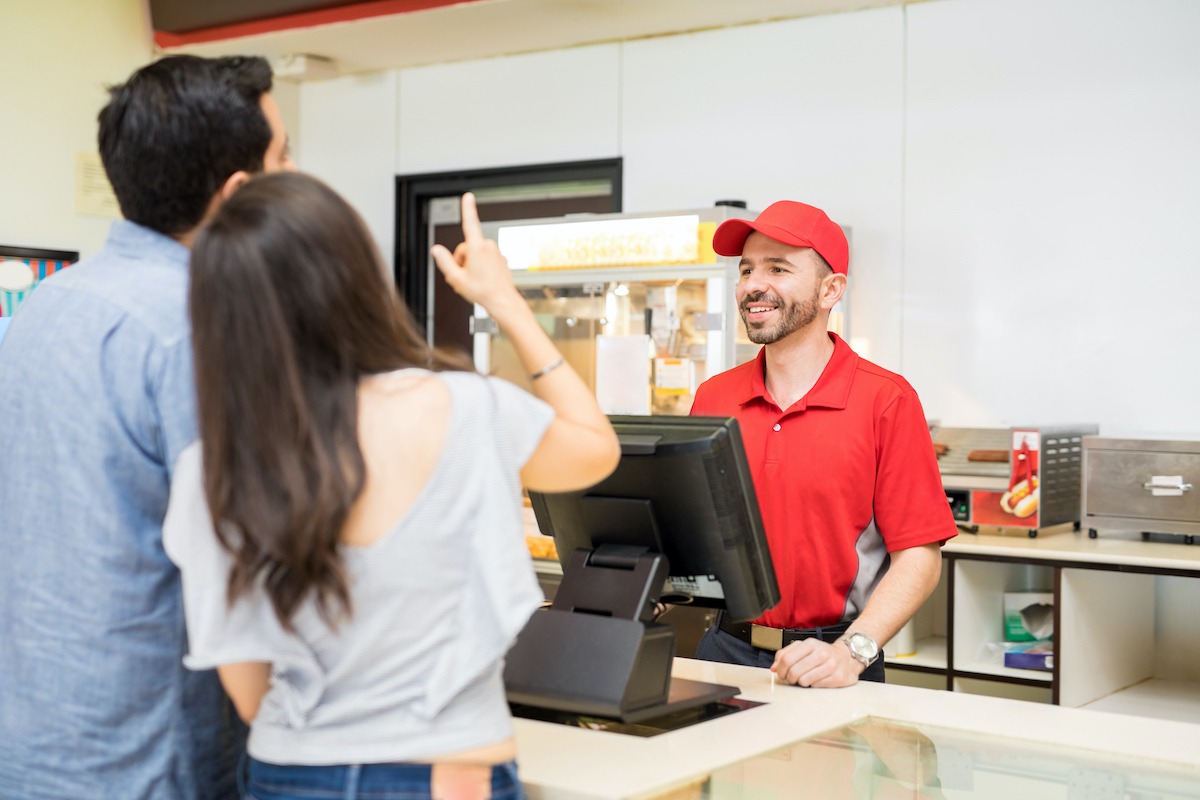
pixel 486 28
pixel 181 16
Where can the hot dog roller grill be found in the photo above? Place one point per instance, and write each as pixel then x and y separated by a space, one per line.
pixel 1027 478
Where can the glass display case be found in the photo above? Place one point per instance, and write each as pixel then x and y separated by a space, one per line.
pixel 638 304
pixel 880 758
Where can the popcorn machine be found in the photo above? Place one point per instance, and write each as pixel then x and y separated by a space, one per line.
pixel 638 304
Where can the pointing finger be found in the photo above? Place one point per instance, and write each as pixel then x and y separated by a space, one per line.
pixel 472 230
pixel 445 261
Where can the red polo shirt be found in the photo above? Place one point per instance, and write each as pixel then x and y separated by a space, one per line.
pixel 843 477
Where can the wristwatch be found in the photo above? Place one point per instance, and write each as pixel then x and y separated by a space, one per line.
pixel 862 647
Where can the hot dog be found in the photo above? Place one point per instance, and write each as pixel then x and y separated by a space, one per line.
pixel 1022 499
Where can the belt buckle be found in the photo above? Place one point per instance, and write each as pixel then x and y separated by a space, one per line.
pixel 766 638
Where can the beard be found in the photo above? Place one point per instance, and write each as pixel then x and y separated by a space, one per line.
pixel 792 316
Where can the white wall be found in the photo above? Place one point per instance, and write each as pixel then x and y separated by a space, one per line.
pixel 1052 271
pixel 538 108
pixel 808 110
pixel 347 138
pixel 1019 177
pixel 58 55
pixel 287 97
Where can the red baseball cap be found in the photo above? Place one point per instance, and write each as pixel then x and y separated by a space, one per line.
pixel 791 223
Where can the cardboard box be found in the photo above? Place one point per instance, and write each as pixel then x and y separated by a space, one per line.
pixel 1035 655
pixel 1028 616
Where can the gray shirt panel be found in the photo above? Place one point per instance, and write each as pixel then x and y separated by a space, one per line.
pixel 416 671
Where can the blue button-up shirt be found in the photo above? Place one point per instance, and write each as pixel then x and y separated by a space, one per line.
pixel 96 404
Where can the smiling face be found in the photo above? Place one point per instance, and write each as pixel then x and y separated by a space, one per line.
pixel 783 289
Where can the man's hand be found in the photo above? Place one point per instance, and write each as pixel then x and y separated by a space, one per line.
pixel 818 664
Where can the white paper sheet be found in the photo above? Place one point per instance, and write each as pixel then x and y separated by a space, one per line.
pixel 623 374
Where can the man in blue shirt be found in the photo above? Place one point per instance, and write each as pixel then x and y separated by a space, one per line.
pixel 96 403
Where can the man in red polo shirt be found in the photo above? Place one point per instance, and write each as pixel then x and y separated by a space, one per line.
pixel 843 465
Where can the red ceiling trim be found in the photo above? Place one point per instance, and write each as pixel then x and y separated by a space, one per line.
pixel 307 19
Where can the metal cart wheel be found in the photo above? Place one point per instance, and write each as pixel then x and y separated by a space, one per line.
pixel 1092 533
pixel 1033 534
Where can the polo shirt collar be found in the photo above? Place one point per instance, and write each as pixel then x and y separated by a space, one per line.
pixel 831 390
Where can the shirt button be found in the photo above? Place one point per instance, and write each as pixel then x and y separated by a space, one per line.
pixel 777 426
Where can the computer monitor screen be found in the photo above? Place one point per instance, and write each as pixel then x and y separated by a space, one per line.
pixel 683 489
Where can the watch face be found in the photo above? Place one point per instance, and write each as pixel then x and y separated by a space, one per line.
pixel 863 645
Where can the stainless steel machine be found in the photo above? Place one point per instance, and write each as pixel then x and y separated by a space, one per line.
pixel 1141 486
pixel 1026 478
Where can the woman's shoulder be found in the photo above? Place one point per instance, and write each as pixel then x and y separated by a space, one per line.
pixel 417 377
pixel 406 387
pixel 400 401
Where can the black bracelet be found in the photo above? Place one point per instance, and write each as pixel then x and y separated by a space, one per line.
pixel 551 366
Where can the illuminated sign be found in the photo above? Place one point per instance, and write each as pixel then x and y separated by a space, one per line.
pixel 641 242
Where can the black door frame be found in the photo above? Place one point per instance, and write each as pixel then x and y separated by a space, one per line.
pixel 411 254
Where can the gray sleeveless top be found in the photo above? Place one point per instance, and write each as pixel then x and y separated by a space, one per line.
pixel 416 671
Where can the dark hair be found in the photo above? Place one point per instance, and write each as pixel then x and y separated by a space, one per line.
pixel 823 268
pixel 290 308
pixel 174 132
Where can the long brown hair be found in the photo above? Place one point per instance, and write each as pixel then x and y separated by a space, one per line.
pixel 290 308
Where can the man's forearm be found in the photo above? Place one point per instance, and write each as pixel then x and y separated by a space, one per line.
pixel 911 578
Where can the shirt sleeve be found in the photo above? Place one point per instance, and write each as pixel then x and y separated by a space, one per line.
pixel 910 504
pixel 218 633
pixel 520 422
pixel 175 402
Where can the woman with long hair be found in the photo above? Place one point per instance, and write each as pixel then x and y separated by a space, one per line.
pixel 349 526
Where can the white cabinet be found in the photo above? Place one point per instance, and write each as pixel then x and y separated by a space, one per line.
pixel 1127 635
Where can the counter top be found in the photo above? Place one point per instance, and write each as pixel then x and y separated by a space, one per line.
pixel 558 761
pixel 1072 546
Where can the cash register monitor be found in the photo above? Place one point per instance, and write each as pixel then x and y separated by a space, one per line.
pixel 682 489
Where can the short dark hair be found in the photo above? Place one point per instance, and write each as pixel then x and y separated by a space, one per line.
pixel 822 265
pixel 174 132
pixel 290 309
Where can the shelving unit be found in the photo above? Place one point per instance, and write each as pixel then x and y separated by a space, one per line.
pixel 986 669
pixel 931 654
pixel 1155 697
pixel 1127 635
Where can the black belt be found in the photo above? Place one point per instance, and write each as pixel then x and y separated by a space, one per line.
pixel 765 638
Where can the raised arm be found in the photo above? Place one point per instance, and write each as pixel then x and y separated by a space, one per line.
pixel 579 448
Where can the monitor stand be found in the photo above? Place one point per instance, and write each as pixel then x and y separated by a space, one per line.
pixel 597 651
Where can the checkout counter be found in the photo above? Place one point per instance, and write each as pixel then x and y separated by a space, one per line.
pixel 761 739
pixel 866 741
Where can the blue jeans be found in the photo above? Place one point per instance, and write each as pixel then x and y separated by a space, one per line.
pixel 262 781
